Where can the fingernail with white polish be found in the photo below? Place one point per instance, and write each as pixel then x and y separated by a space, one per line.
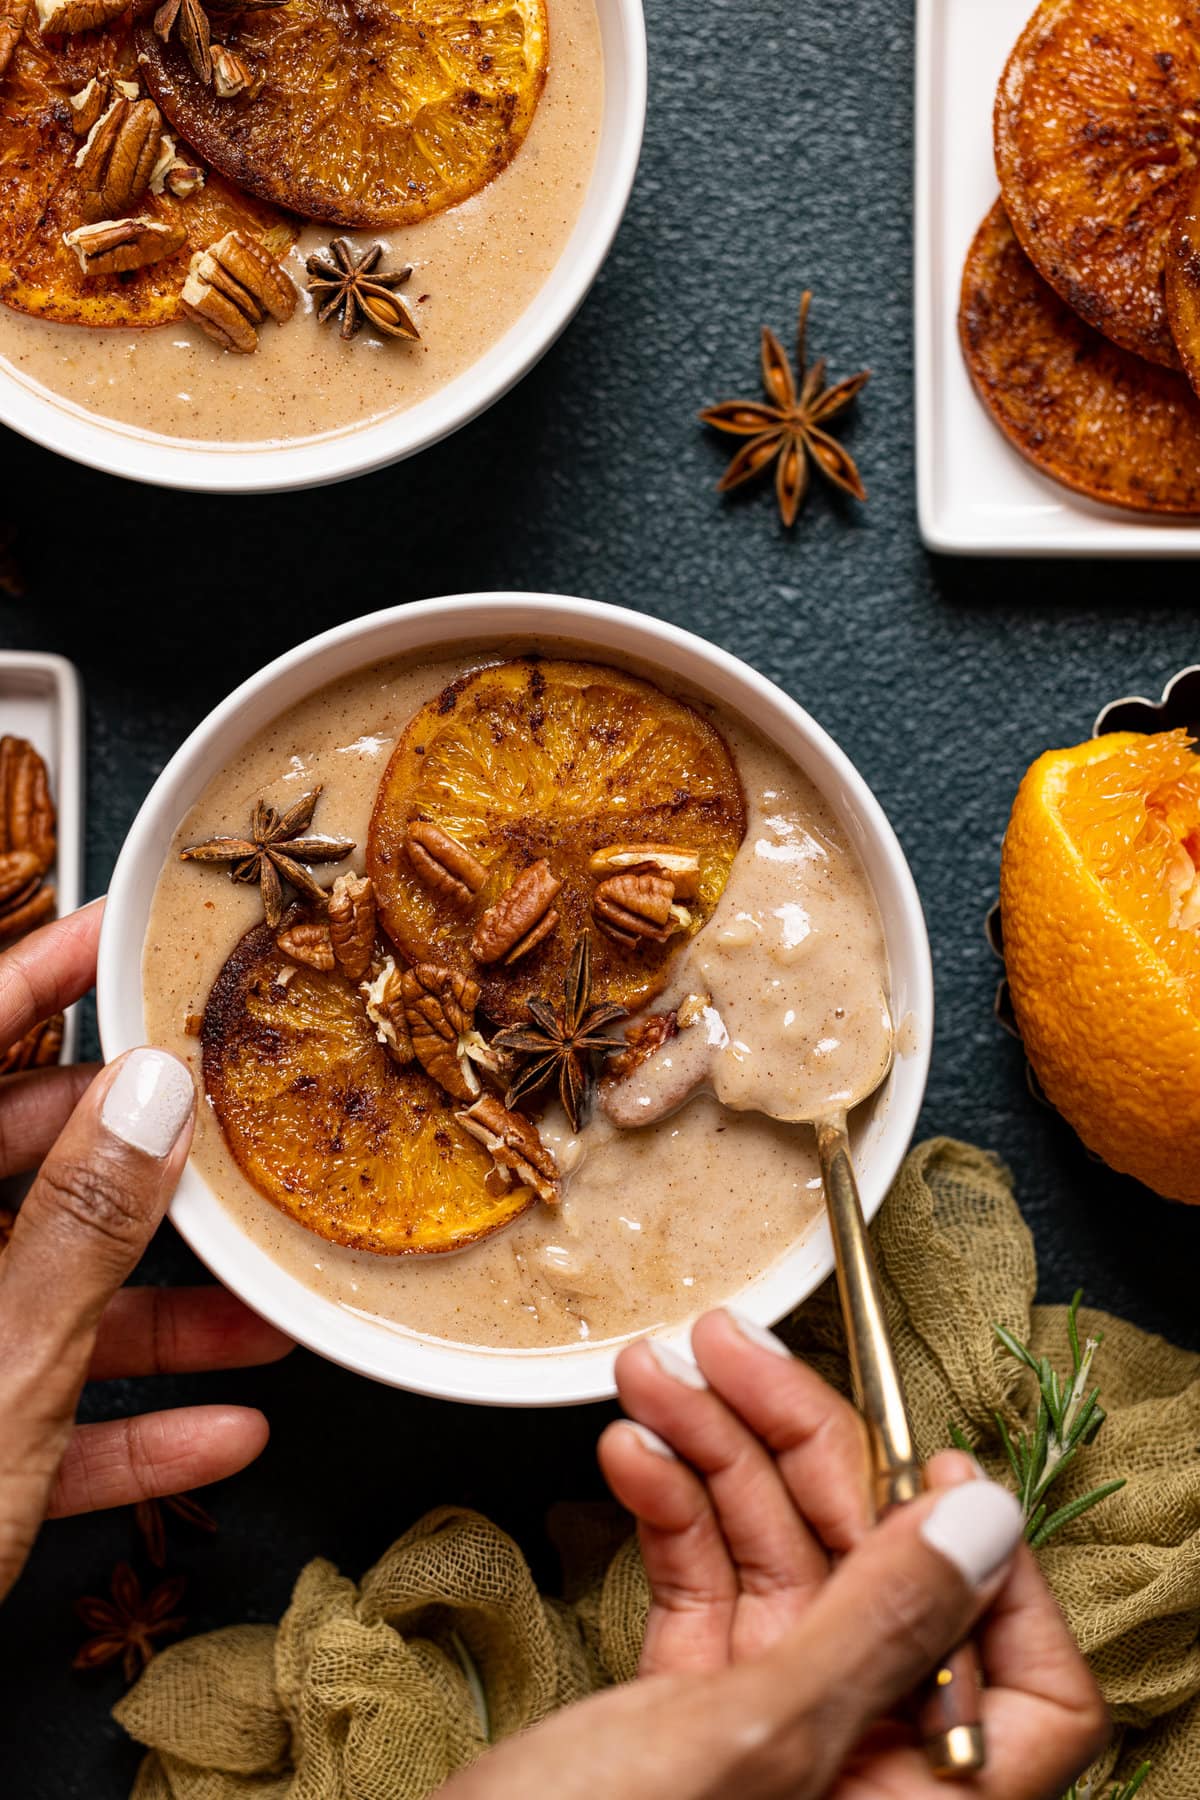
pixel 976 1527
pixel 676 1366
pixel 758 1334
pixel 149 1102
pixel 649 1440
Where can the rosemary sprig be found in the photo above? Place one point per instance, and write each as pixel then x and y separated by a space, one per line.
pixel 1069 1415
pixel 1124 1790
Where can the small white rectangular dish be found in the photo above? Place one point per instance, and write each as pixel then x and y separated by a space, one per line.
pixel 975 495
pixel 40 699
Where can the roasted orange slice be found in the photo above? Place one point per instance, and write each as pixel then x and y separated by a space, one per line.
pixel 518 808
pixel 1089 415
pixel 41 196
pixel 1183 282
pixel 1097 135
pixel 322 1122
pixel 363 112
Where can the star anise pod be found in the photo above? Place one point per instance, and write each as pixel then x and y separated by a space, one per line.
pixel 128 1624
pixel 791 430
pixel 189 19
pixel 150 1518
pixel 275 851
pixel 349 284
pixel 559 1044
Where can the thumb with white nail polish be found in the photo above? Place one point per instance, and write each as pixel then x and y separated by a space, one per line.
pixel 896 1606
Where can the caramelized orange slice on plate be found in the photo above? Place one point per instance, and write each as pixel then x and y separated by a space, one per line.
pixel 41 196
pixel 1084 412
pixel 1097 135
pixel 363 112
pixel 1183 282
pixel 530 770
pixel 322 1122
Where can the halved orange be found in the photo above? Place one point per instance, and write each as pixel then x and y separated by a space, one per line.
pixel 1097 134
pixel 557 760
pixel 363 112
pixel 1094 417
pixel 1100 893
pixel 322 1122
pixel 41 198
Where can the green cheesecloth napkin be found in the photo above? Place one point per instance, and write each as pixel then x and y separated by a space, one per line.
pixel 370 1690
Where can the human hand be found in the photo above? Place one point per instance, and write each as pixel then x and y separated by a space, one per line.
pixel 785 1632
pixel 111 1147
pixel 748 1477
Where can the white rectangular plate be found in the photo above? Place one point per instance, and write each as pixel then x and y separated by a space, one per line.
pixel 40 700
pixel 975 495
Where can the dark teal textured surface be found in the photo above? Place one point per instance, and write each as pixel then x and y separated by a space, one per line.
pixel 777 156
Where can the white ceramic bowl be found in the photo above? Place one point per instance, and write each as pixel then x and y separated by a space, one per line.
pixel 125 450
pixel 520 1377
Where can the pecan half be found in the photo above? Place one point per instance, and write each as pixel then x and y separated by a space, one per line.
pixel 31 912
pixel 442 863
pixel 383 997
pixel 515 1145
pixel 56 16
pixel 110 246
pixel 351 917
pixel 13 14
pixel 27 818
pixel 20 871
pixel 638 908
pixel 232 286
pixel 308 942
pixel 119 157
pixel 680 866
pixel 92 101
pixel 440 1008
pixel 521 918
pixel 40 1047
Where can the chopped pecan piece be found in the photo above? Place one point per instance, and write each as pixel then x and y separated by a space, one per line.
pixel 440 1008
pixel 352 924
pixel 230 74
pixel 119 157
pixel 56 16
pixel 13 14
pixel 232 286
pixel 442 863
pixel 638 908
pixel 383 997
pixel 172 173
pixel 38 1049
pixel 642 1039
pixel 691 1009
pixel 27 820
pixel 110 246
pixel 520 919
pixel 308 942
pixel 515 1145
pixel 181 178
pixel 680 866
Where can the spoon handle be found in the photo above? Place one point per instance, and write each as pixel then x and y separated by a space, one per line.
pixel 947 1710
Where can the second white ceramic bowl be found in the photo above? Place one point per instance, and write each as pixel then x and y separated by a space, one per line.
pixel 516 1377
pixel 167 462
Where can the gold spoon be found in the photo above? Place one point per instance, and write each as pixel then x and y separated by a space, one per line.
pixel 948 1711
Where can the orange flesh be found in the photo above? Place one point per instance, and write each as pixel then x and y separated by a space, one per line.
pixel 1134 819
